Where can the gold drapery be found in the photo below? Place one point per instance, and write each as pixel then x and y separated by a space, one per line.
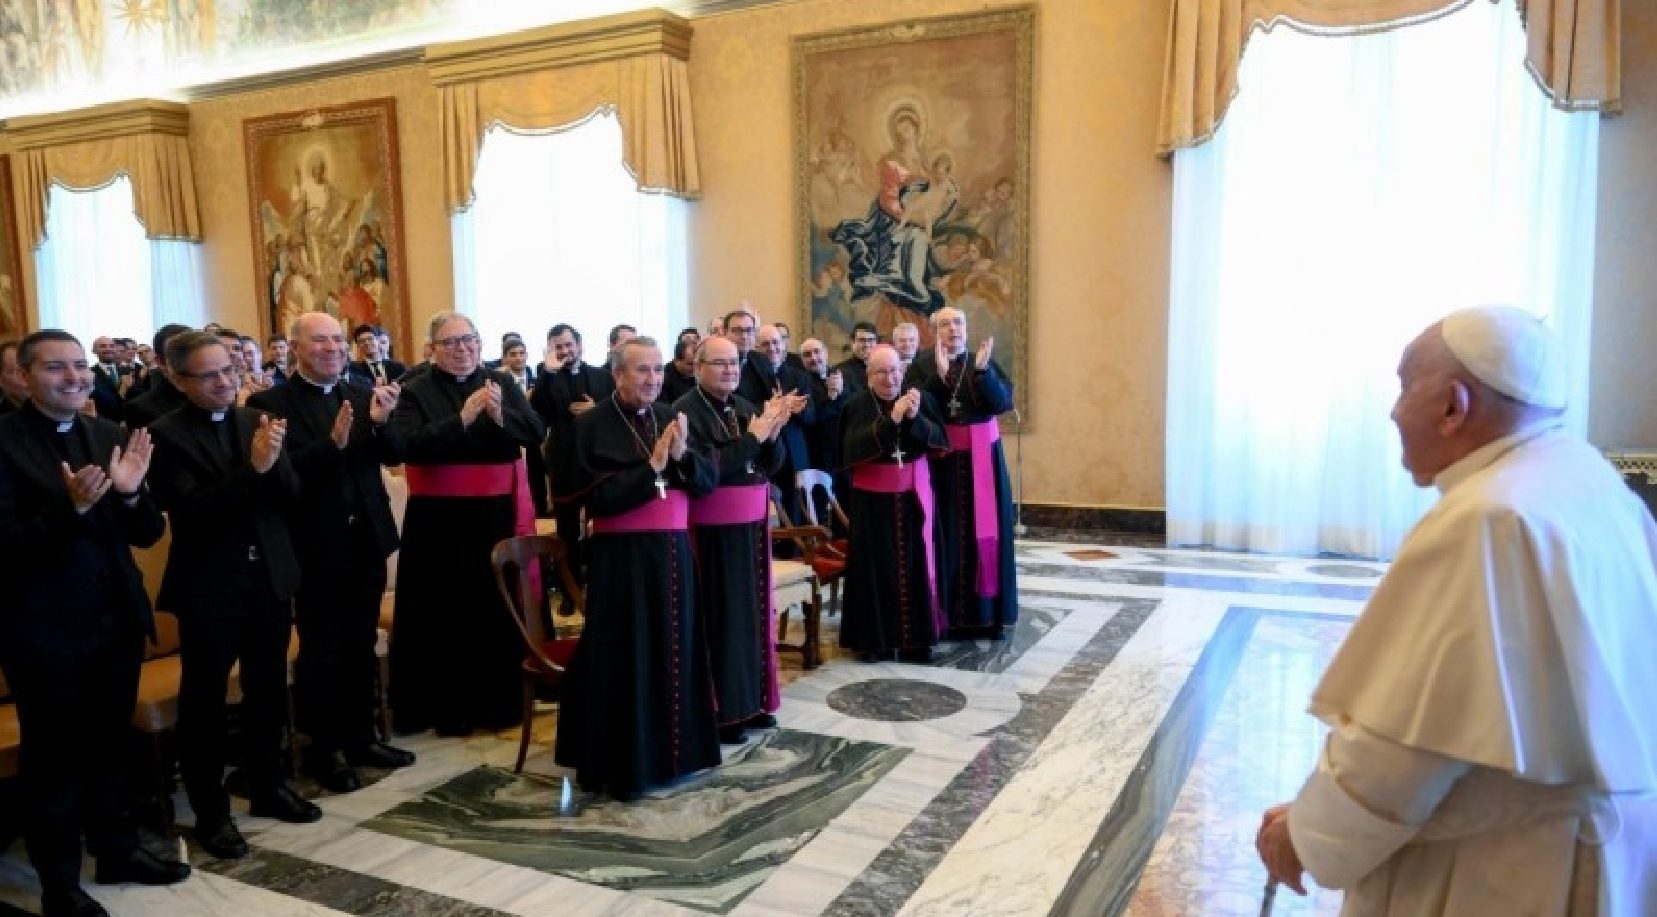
pixel 635 64
pixel 147 140
pixel 1573 50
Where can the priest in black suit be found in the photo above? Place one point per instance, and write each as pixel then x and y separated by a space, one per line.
pixel 679 376
pixel 160 396
pixel 567 389
pixel 343 531
pixel 455 654
pixel 106 380
pixel 72 628
pixel 855 369
pixel 767 375
pixel 223 476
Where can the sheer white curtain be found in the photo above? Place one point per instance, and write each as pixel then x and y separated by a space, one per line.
pixel 98 275
pixel 559 232
pixel 1360 188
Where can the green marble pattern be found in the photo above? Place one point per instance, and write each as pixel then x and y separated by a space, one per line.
pixel 705 842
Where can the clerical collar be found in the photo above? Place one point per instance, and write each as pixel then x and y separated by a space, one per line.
pixel 212 415
pixel 41 417
pixel 1486 455
pixel 327 388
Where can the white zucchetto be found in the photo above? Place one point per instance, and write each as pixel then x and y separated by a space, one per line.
pixel 1509 350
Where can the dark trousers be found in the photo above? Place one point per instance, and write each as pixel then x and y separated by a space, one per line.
pixel 74 709
pixel 536 464
pixel 337 609
pixel 253 629
pixel 568 515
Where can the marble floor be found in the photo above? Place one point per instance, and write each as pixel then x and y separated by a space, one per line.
pixel 1111 756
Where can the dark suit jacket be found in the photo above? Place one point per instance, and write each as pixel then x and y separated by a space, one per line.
pixel 759 384
pixel 161 399
pixel 106 392
pixel 360 373
pixel 855 372
pixel 219 512
pixel 334 481
pixel 551 399
pixel 62 569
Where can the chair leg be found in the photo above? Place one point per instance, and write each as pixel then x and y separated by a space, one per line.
pixel 782 624
pixel 813 620
pixel 383 693
pixel 529 719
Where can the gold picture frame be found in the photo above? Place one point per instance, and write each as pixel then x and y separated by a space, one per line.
pixel 14 307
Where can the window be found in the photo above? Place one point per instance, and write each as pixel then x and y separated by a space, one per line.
pixel 559 232
pixel 1360 188
pixel 99 275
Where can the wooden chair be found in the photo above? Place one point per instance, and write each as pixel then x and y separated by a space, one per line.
pixel 831 562
pixel 546 658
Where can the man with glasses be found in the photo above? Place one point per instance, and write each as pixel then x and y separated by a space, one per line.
pixel 464 429
pixel 222 474
pixel 792 358
pixel 638 708
pixel 338 438
pixel 568 388
pixel 374 366
pixel 767 375
pixel 729 528
pixel 855 368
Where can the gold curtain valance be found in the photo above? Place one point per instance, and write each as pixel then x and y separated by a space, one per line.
pixel 636 63
pixel 147 140
pixel 1573 50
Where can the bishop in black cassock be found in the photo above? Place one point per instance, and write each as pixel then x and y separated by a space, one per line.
pixel 733 557
pixel 890 603
pixel 977 576
pixel 455 650
pixel 638 705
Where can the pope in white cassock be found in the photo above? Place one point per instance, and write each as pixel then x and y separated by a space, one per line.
pixel 1493 713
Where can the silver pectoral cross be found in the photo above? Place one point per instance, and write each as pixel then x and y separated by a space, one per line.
pixel 954 407
pixel 661 486
pixel 897 453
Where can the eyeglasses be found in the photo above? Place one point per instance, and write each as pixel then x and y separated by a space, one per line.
pixel 223 372
pixel 456 342
pixel 724 364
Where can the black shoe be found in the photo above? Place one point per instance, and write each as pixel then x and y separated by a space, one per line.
pixel 283 804
pixel 762 721
pixel 922 656
pixel 140 867
pixel 731 735
pixel 222 840
pixel 334 773
pixel 70 902
pixel 380 755
pixel 871 656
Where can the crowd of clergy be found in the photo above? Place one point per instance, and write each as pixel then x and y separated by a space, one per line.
pixel 664 478
pixel 1490 748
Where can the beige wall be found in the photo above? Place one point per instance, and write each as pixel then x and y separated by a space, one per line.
pixel 1622 409
pixel 1100 219
pixel 1100 212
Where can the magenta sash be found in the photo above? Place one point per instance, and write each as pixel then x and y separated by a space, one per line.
pixel 505 479
pixel 654 515
pixel 975 440
pixel 747 504
pixel 916 478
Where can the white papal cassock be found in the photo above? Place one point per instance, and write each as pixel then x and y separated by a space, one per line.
pixel 1494 710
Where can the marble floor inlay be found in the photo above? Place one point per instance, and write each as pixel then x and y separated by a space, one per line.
pixel 1110 756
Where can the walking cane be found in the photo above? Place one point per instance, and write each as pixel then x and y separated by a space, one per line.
pixel 1269 898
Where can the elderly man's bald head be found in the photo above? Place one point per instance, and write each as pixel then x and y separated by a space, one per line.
pixel 885 371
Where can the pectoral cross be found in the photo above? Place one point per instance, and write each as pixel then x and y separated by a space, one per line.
pixel 897 454
pixel 661 487
pixel 954 407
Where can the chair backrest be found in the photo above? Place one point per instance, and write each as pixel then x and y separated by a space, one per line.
pixel 522 553
pixel 810 480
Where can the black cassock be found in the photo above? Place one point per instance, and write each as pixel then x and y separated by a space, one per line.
pixel 977 397
pixel 455 650
pixel 638 702
pixel 733 562
pixel 888 592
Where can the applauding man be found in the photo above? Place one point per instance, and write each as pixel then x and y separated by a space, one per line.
pixel 72 499
pixel 222 474
pixel 343 531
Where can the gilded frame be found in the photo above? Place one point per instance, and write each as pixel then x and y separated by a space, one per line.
pixel 972 87
pixel 325 203
pixel 14 306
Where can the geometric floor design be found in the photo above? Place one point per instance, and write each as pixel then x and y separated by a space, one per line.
pixel 1111 756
